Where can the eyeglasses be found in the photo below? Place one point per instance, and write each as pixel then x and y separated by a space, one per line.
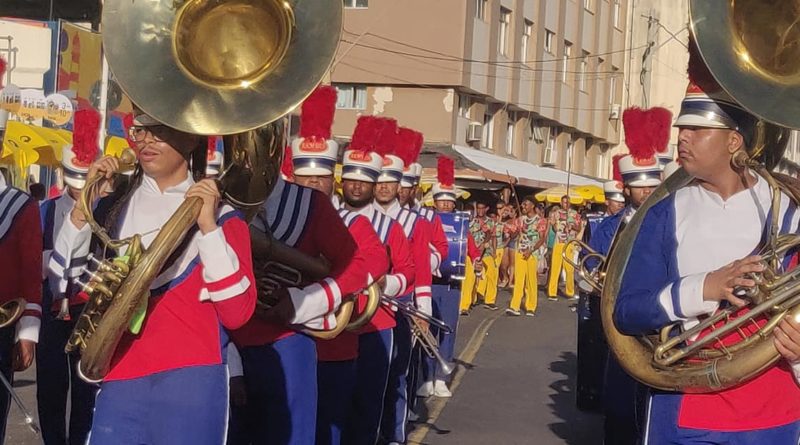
pixel 138 133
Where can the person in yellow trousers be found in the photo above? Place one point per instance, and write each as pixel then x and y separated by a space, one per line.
pixel 487 243
pixel 526 259
pixel 565 222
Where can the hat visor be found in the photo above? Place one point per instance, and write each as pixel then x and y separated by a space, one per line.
pixel 312 171
pixel 74 182
pixel 652 182
pixel 358 177
pixel 695 120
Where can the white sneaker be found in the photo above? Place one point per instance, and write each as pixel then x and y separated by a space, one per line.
pixel 426 390
pixel 440 389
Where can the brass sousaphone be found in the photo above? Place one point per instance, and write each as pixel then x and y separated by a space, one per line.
pixel 206 67
pixel 752 48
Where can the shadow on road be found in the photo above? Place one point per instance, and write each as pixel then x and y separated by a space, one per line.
pixel 576 428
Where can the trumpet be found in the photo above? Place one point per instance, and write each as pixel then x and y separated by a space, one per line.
pixel 409 310
pixel 428 343
pixel 593 276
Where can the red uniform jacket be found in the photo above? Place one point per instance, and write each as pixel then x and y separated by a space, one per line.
pixel 401 274
pixel 345 345
pixel 306 220
pixel 21 257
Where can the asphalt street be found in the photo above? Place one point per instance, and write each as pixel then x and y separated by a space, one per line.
pixel 515 384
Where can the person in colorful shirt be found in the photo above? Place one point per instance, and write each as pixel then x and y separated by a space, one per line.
pixel 565 222
pixel 526 259
pixel 483 230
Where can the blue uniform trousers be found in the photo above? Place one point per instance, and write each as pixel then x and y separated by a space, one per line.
pixel 55 378
pixel 662 428
pixel 446 300
pixel 396 403
pixel 374 357
pixel 181 406
pixel 336 382
pixel 6 353
pixel 281 381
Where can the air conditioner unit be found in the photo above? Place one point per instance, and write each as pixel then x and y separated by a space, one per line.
pixel 549 156
pixel 474 131
pixel 613 112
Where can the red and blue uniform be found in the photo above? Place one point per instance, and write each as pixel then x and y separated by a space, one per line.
pixel 337 368
pixel 20 275
pixel 683 238
pixel 169 384
pixel 376 339
pixel 280 365
pixel 54 379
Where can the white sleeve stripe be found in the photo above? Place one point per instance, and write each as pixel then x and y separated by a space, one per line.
pixel 33 307
pixel 333 288
pixel 665 299
pixel 229 292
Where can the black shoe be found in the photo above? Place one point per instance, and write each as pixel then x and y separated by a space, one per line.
pixel 491 307
pixel 513 312
pixel 464 313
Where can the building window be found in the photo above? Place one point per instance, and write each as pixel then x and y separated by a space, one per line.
pixel 548 40
pixel 549 152
pixel 505 27
pixel 612 90
pixel 584 69
pixel 616 12
pixel 565 60
pixel 464 104
pixel 356 3
pixel 480 9
pixel 351 97
pixel 527 31
pixel 510 138
pixel 488 130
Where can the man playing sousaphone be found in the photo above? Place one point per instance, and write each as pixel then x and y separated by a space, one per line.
pixel 168 383
pixel 691 258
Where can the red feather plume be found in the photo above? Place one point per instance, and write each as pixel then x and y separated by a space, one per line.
pixel 365 134
pixel 386 136
pixel 127 122
pixel 646 131
pixel 211 147
pixel 446 170
pixel 2 70
pixel 317 113
pixel 287 168
pixel 617 174
pixel 84 136
pixel 409 144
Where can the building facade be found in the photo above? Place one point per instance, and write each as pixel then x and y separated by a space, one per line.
pixel 534 80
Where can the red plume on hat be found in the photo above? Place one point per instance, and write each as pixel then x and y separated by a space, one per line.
pixel 127 122
pixel 211 147
pixel 409 144
pixel 365 134
pixel 287 169
pixel 386 136
pixel 317 113
pixel 85 130
pixel 446 171
pixel 646 131
pixel 2 70
pixel 617 173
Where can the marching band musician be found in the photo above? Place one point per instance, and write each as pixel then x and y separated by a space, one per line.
pixel 446 295
pixel 693 248
pixel 361 166
pixel 20 277
pixel 409 187
pixel 55 376
pixel 418 232
pixel 641 176
pixel 313 157
pixel 482 228
pixel 168 383
pixel 280 364
pixel 532 234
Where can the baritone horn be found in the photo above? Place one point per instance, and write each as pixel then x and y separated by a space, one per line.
pixel 224 67
pixel 752 50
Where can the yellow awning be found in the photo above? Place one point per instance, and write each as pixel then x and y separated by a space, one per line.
pixel 578 195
